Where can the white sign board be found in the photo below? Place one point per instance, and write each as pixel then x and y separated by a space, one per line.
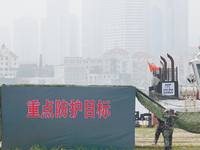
pixel 168 88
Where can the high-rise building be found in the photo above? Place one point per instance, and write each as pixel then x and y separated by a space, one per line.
pixel 168 27
pixel 113 23
pixel 124 25
pixel 74 37
pixel 55 32
pixel 92 28
pixel 5 37
pixel 26 39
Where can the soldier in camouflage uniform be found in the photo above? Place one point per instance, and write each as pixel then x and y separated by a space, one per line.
pixel 168 131
pixel 159 129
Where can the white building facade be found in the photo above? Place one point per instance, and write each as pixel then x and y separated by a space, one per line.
pixel 9 63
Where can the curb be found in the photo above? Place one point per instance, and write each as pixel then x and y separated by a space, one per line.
pixel 145 126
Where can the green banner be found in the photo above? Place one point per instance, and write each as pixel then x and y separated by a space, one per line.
pixel 99 117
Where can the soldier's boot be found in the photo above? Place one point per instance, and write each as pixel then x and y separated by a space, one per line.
pixel 167 148
pixel 154 143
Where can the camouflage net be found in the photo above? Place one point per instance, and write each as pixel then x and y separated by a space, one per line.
pixel 188 121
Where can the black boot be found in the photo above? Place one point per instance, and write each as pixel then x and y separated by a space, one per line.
pixel 166 148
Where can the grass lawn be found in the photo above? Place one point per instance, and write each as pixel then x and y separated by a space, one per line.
pixel 144 137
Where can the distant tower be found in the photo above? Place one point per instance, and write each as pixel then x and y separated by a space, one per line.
pixel 55 32
pixel 3 46
pixel 40 67
pixel 124 23
pixel 5 36
pixel 92 28
pixel 26 39
pixel 110 23
pixel 168 32
pixel 74 36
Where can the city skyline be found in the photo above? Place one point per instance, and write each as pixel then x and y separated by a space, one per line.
pixel 116 42
pixel 11 10
pixel 34 8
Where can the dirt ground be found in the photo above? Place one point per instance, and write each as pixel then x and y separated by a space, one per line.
pixel 145 137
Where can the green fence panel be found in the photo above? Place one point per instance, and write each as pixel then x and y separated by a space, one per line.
pixel 50 116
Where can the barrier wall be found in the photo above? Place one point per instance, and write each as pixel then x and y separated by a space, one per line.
pixel 51 116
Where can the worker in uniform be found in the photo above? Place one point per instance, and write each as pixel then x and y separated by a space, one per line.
pixel 170 117
pixel 159 130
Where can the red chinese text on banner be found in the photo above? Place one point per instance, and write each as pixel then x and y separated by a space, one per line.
pixel 102 110
pixel 33 111
pixel 61 108
pixel 47 110
pixel 74 108
pixel 89 108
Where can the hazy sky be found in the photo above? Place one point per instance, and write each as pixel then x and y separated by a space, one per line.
pixel 14 9
pixel 194 22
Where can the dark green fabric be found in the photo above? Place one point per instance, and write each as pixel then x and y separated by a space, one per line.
pixel 188 121
pixel 116 130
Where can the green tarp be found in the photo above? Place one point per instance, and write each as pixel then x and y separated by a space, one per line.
pixel 188 121
pixel 50 116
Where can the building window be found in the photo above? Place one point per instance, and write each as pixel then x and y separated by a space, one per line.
pixel 15 63
pixel 6 58
pixel 1 58
pixel 1 63
pixel 7 64
pixel 5 69
pixel 14 58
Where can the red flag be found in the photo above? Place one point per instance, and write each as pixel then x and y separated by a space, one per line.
pixel 152 67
